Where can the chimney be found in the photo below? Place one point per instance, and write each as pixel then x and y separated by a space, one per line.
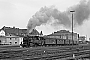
pixel 41 33
pixel 14 27
pixel 78 36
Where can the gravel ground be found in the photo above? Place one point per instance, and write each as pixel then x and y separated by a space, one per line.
pixel 19 53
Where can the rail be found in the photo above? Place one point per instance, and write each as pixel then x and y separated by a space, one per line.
pixel 45 53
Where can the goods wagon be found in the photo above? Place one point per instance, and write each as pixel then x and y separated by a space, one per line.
pixel 71 42
pixel 67 42
pixel 50 41
pixel 60 42
pixel 74 42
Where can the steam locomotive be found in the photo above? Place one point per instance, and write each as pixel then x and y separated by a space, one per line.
pixel 32 41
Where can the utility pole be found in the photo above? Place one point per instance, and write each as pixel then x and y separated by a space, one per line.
pixel 72 26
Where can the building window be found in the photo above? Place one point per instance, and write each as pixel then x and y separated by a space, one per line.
pixel 10 42
pixel 10 38
pixel 64 37
pixel 21 42
pixel 0 41
pixel 15 42
pixel 15 38
pixel 60 36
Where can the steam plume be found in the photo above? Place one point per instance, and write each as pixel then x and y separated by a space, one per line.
pixel 45 14
pixel 82 12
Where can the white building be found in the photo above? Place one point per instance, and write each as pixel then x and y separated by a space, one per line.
pixel 10 39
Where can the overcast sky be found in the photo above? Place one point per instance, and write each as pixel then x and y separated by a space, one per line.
pixel 18 12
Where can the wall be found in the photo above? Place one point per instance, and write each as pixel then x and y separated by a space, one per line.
pixel 12 40
pixel 2 40
pixel 2 33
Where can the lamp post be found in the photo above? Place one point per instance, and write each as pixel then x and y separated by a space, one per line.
pixel 72 26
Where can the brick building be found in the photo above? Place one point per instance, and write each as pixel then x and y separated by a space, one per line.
pixel 63 35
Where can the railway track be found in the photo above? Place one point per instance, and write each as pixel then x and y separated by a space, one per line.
pixel 43 53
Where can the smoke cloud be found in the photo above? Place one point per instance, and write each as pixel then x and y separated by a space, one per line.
pixel 82 12
pixel 43 16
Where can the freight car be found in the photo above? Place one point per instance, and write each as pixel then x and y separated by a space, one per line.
pixel 59 42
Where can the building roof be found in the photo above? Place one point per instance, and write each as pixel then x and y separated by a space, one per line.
pixel 34 32
pixel 61 32
pixel 82 37
pixel 18 32
pixel 13 30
